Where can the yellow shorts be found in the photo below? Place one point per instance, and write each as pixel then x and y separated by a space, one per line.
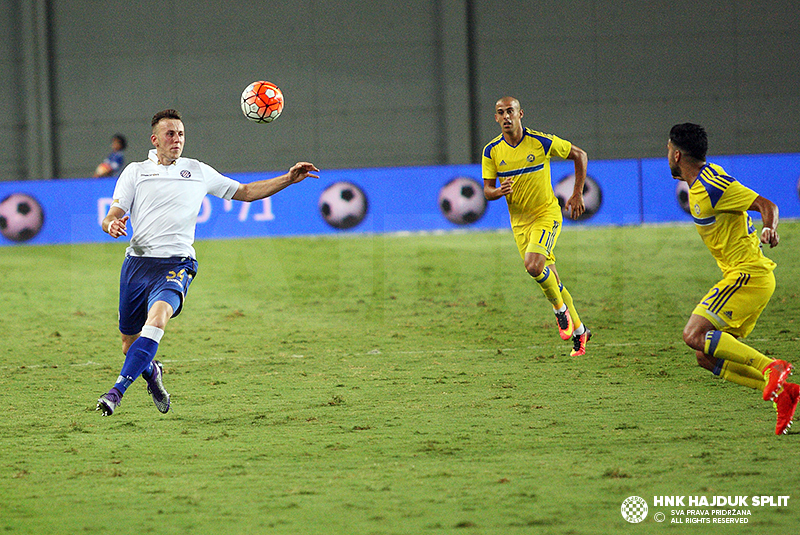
pixel 540 236
pixel 734 304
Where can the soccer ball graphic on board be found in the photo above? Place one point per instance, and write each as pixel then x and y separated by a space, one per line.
pixel 592 196
pixel 21 217
pixel 461 201
pixel 682 195
pixel 262 102
pixel 343 205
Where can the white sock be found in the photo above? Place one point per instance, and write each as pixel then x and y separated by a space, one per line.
pixel 153 333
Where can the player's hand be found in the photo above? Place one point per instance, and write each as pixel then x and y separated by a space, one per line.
pixel 117 227
pixel 506 187
pixel 302 170
pixel 575 205
pixel 770 236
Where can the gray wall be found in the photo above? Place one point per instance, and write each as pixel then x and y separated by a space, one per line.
pixel 390 83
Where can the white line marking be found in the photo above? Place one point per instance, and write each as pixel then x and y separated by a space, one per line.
pixel 376 351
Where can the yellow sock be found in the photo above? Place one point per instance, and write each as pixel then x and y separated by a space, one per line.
pixel 549 285
pixel 743 375
pixel 567 297
pixel 724 346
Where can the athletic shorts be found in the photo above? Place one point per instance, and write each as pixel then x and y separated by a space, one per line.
pixel 734 304
pixel 540 236
pixel 143 281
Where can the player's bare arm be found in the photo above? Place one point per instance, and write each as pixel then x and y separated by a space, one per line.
pixel 115 222
pixel 575 203
pixel 769 216
pixel 492 192
pixel 265 188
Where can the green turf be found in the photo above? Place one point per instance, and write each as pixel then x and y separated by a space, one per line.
pixel 386 385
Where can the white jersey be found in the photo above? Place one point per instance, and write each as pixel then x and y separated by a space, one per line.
pixel 163 202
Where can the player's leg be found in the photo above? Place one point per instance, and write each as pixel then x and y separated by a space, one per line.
pixel 581 334
pixel 548 283
pixel 141 355
pixel 167 302
pixel 702 335
pixel 730 310
pixel 143 349
pixel 140 350
pixel 536 242
pixel 735 305
pixel 133 291
pixel 787 395
pixel 785 401
pixel 535 265
pixel 167 282
pixel 567 298
pixel 732 371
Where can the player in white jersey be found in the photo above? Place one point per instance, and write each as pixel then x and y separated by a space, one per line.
pixel 161 197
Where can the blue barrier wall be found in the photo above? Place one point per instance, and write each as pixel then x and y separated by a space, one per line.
pixel 775 176
pixel 403 199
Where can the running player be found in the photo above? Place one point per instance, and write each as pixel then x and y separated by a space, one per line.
pixel 520 158
pixel 729 311
pixel 163 196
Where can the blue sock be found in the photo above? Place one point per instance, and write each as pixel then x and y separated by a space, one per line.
pixel 148 372
pixel 139 358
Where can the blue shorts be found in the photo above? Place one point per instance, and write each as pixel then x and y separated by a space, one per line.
pixel 143 281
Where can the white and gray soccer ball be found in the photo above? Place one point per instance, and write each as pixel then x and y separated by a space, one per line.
pixel 682 195
pixel 21 217
pixel 343 205
pixel 592 196
pixel 798 188
pixel 461 201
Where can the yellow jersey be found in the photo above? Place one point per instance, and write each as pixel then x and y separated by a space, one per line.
pixel 528 163
pixel 719 205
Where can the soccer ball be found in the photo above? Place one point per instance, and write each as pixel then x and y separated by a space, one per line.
pixel 592 196
pixel 21 217
pixel 343 205
pixel 461 201
pixel 682 194
pixel 262 102
pixel 798 188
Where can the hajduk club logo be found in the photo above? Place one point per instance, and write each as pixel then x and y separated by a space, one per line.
pixel 634 509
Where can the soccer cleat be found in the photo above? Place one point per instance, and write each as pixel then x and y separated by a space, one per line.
pixel 108 403
pixel 579 343
pixel 155 387
pixel 775 374
pixel 565 326
pixel 785 406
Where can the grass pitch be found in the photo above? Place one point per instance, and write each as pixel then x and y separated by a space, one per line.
pixel 387 385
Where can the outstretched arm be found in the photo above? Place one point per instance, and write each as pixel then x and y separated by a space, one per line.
pixel 575 203
pixel 769 215
pixel 261 189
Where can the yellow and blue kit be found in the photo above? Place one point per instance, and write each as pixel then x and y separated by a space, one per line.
pixel 532 206
pixel 528 164
pixel 719 204
pixel 719 207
